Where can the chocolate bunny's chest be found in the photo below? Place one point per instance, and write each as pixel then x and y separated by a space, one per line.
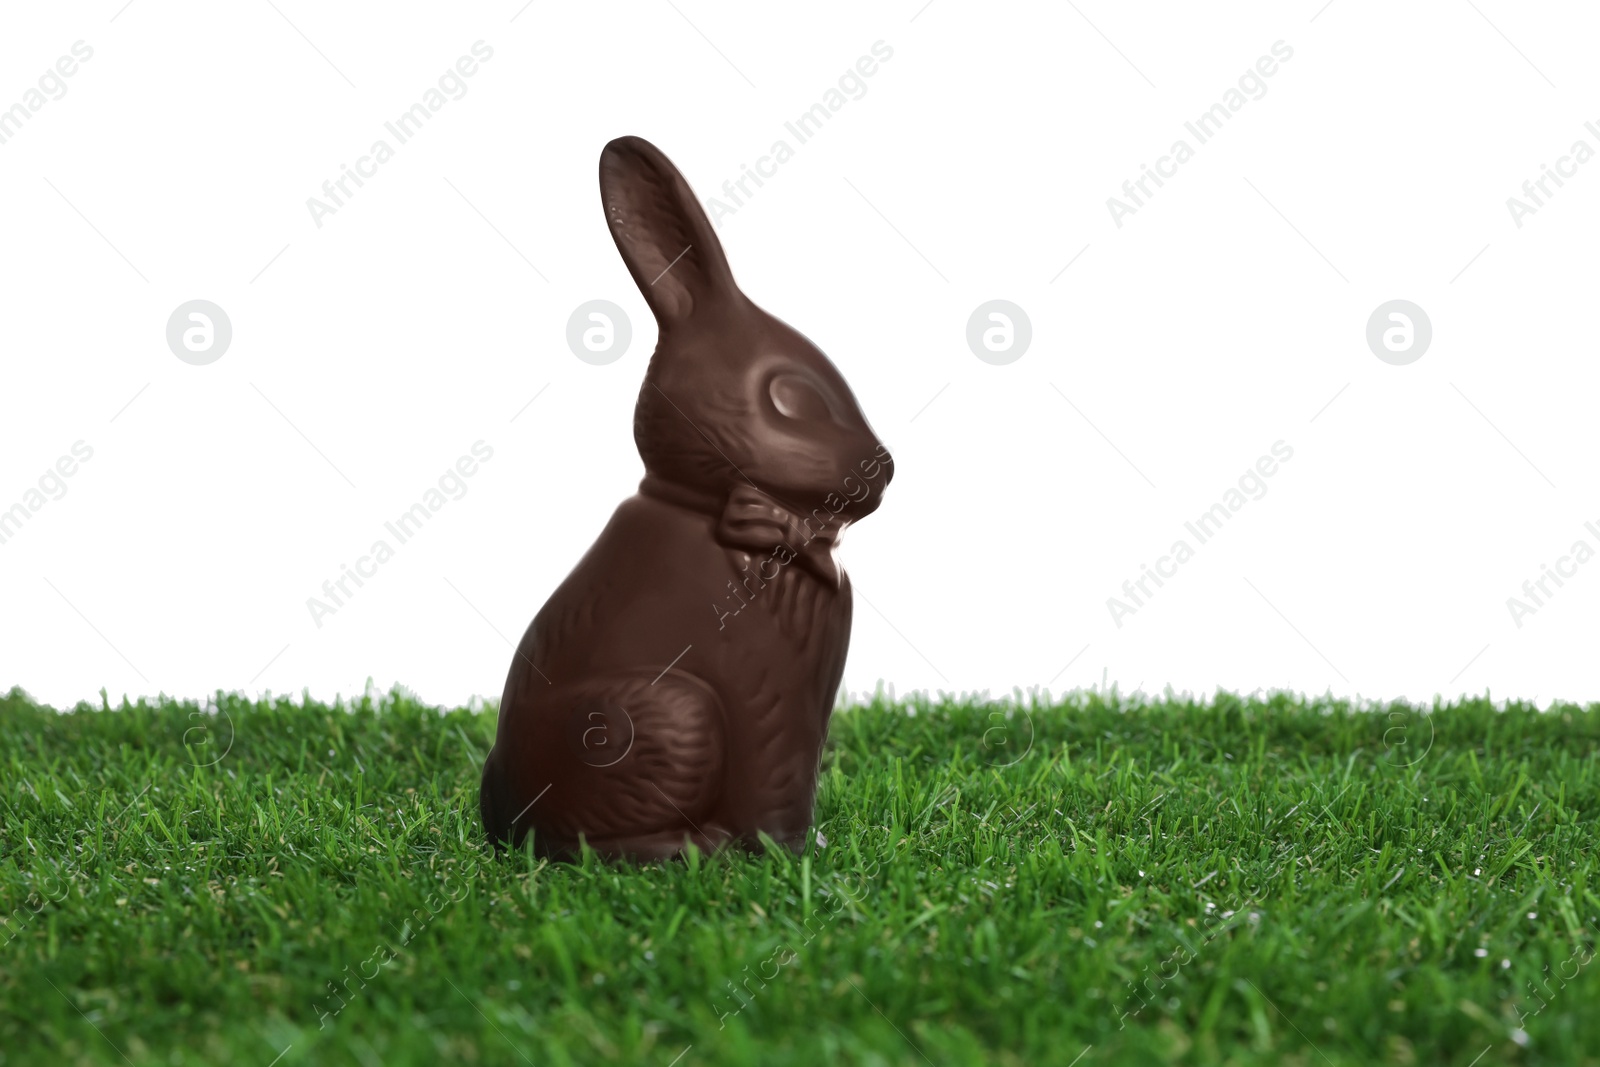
pixel 769 640
pixel 777 669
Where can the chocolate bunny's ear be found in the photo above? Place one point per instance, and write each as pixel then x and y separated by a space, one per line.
pixel 661 231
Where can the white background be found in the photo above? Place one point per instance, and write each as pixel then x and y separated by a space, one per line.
pixel 1227 314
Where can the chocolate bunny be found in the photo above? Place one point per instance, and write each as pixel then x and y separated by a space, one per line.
pixel 676 687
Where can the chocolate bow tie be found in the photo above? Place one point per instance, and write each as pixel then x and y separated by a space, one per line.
pixel 752 519
pixel 755 521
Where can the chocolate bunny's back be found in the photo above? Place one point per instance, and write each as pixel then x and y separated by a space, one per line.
pixel 676 687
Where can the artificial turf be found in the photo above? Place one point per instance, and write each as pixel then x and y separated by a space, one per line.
pixel 1091 880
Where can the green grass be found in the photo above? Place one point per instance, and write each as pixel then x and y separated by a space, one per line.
pixel 1243 880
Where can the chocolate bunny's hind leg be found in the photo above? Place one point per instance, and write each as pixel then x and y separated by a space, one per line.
pixel 490 803
pixel 636 764
pixel 495 803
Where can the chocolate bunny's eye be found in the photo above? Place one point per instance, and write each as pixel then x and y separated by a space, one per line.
pixel 796 398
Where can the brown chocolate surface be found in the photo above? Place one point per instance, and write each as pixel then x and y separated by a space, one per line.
pixel 676 687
